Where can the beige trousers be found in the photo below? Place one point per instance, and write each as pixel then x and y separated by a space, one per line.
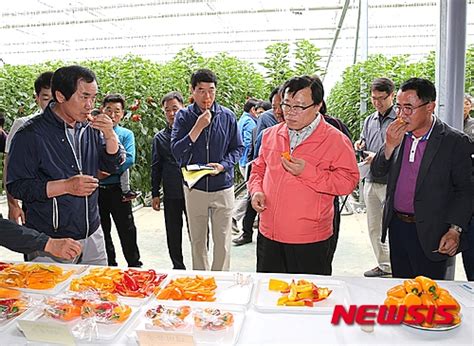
pixel 374 196
pixel 216 206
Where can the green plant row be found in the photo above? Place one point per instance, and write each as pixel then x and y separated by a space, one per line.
pixel 144 82
pixel 354 85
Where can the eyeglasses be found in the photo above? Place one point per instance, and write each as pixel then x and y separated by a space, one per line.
pixel 379 99
pixel 408 110
pixel 296 109
pixel 203 92
pixel 173 110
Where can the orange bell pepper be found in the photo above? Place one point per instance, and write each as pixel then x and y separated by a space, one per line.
pixel 286 155
pixel 391 300
pixel 428 286
pixel 397 291
pixel 412 286
pixel 426 300
pixel 411 299
pixel 445 298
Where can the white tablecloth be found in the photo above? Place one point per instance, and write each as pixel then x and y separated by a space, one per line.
pixel 291 329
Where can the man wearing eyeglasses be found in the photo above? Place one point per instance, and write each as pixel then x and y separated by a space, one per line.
pixel 303 163
pixel 428 203
pixel 372 138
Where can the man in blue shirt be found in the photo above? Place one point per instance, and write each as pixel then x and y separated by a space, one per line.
pixel 206 133
pixel 110 191
pixel 246 124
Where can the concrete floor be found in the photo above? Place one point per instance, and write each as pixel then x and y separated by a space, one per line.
pixel 353 256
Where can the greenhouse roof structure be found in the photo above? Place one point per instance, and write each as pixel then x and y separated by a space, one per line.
pixel 33 31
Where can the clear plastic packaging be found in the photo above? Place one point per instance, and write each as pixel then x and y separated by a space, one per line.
pixel 13 307
pixel 169 318
pixel 212 319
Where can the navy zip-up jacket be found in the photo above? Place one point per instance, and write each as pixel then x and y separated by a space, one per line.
pixel 164 168
pixel 42 152
pixel 220 142
pixel 21 239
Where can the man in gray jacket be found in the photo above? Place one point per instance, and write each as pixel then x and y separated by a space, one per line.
pixel 372 139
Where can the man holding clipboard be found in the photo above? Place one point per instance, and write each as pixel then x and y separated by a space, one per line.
pixel 206 133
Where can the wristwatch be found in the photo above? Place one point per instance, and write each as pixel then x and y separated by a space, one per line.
pixel 456 228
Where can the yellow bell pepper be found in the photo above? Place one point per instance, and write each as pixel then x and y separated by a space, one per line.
pixel 397 291
pixel 304 288
pixel 304 295
pixel 293 294
pixel 277 285
pixel 295 303
pixel 282 300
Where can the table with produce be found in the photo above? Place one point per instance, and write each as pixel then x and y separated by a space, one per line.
pixel 110 305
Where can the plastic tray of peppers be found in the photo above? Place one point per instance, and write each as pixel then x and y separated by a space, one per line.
pixel 132 283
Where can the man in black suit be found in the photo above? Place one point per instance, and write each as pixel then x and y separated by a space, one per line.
pixel 428 202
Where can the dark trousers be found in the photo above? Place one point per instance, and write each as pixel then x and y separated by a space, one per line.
pixel 276 257
pixel 110 203
pixel 336 224
pixel 174 210
pixel 406 255
pixel 468 255
pixel 248 220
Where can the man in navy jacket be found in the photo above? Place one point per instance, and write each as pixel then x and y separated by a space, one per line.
pixel 54 161
pixel 206 133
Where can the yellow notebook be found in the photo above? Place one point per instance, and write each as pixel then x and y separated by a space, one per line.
pixel 192 177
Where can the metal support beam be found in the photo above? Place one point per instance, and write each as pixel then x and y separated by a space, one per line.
pixel 440 68
pixel 336 34
pixel 450 73
pixel 455 62
pixel 356 43
pixel 364 51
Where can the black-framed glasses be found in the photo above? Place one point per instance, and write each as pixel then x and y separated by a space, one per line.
pixel 285 107
pixel 408 110
pixel 380 98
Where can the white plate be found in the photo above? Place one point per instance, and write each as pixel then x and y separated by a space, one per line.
pixel 227 291
pixel 105 331
pixel 266 300
pixel 433 329
pixel 229 336
pixel 77 269
pixel 126 300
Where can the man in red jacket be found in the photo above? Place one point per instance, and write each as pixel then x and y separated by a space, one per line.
pixel 303 163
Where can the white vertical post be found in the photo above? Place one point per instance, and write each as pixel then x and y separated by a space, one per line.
pixel 455 62
pixel 440 68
